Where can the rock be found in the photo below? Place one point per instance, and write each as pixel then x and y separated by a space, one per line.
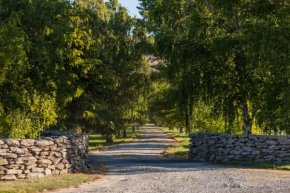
pixel 60 166
pixel 34 149
pixel 253 137
pixel 245 153
pixel 52 167
pixel 211 142
pixel 43 143
pixel 68 166
pixel 89 166
pixel 269 151
pixel 8 172
pixel 44 161
pixel 46 148
pixel 19 151
pixel 13 167
pixel 27 142
pixel 278 160
pixel 272 147
pixel 4 150
pixel 268 158
pixel 5 146
pixel 37 170
pixel 47 172
pixel 57 161
pixel 11 155
pixel 22 167
pixel 21 176
pixel 18 161
pixel 43 165
pixel 191 135
pixel 8 178
pixel 234 152
pixel 248 149
pixel 1 142
pixel 55 172
pixel 12 142
pixel 2 168
pixel 3 161
pixel 270 142
pixel 212 157
pixel 57 154
pixel 68 147
pixel 256 152
pixel 34 175
pixel 229 146
pixel 29 158
pixel 44 153
pixel 31 166
pixel 65 171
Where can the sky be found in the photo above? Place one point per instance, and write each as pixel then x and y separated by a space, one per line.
pixel 131 5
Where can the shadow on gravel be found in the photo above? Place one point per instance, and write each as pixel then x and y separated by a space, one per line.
pixel 145 156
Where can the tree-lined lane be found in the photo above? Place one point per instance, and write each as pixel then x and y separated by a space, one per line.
pixel 140 166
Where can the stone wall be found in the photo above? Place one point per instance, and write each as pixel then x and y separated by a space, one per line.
pixel 226 147
pixel 28 158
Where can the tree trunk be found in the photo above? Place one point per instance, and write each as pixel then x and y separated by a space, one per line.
pixel 133 128
pixel 109 138
pixel 124 133
pixel 180 129
pixel 187 126
pixel 119 133
pixel 247 121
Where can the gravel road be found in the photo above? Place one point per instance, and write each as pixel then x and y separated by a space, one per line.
pixel 140 166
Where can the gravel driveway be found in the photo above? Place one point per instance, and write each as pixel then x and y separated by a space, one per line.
pixel 141 167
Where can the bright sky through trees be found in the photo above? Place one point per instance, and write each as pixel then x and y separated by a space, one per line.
pixel 131 5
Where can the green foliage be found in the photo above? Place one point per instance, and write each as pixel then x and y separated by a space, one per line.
pixel 76 65
pixel 231 56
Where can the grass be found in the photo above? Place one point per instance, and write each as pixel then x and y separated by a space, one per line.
pixel 256 165
pixel 51 182
pixel 181 148
pixel 98 142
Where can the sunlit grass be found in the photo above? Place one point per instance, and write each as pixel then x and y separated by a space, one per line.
pixel 98 142
pixel 45 184
pixel 181 148
pixel 257 165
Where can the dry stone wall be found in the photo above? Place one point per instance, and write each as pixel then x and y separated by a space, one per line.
pixel 28 158
pixel 226 147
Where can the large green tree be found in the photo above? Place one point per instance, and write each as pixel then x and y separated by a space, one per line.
pixel 232 54
pixel 76 65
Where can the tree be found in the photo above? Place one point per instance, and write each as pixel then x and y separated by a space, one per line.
pixel 70 65
pixel 226 54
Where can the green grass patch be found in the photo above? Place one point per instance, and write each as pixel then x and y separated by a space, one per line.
pixel 257 165
pixel 181 148
pixel 98 142
pixel 50 183
pixel 45 184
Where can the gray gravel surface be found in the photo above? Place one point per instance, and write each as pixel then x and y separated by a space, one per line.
pixel 140 166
